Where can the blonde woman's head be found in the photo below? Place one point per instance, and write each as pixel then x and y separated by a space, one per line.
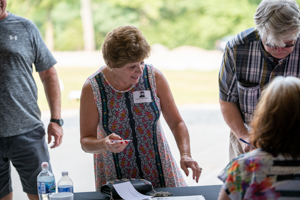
pixel 276 121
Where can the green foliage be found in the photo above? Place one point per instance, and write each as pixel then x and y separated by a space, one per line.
pixel 170 22
pixel 68 26
pixel 107 17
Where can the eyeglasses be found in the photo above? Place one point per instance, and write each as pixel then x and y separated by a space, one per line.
pixel 275 47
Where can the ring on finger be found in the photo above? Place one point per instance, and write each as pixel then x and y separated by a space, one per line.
pixel 114 148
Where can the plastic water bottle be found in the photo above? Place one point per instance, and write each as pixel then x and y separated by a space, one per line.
pixel 46 182
pixel 65 184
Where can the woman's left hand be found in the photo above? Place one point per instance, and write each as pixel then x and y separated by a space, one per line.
pixel 187 162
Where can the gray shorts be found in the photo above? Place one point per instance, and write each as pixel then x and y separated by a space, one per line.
pixel 26 152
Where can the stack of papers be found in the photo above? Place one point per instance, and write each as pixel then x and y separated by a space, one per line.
pixel 195 197
pixel 128 192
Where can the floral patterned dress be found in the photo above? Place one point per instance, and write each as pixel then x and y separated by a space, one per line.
pixel 258 175
pixel 148 156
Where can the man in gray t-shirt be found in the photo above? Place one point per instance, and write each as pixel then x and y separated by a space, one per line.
pixel 22 140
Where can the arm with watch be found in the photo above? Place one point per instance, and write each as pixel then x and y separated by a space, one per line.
pixel 50 82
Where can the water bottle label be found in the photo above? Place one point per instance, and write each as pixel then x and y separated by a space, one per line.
pixel 65 188
pixel 46 187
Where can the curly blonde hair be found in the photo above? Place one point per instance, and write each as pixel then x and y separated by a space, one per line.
pixel 276 121
pixel 123 45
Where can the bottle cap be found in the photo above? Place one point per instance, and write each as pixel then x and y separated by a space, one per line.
pixel 64 173
pixel 45 164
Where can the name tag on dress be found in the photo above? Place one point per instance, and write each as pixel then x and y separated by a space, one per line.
pixel 142 96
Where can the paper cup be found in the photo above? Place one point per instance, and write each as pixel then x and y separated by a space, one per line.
pixel 62 196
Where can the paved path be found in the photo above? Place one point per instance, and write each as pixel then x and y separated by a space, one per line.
pixel 209 143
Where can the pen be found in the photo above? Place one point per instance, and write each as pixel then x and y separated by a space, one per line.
pixel 115 141
pixel 247 143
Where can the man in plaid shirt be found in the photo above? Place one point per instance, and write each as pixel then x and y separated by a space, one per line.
pixel 252 59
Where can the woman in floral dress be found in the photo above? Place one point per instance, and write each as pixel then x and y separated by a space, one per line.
pixel 272 171
pixel 122 102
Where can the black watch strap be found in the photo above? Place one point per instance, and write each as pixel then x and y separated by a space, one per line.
pixel 58 121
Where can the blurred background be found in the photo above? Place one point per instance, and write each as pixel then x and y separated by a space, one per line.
pixel 187 37
pixel 75 25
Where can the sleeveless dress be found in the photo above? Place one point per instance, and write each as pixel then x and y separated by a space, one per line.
pixel 148 156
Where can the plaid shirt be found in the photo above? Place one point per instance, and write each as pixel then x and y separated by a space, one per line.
pixel 246 68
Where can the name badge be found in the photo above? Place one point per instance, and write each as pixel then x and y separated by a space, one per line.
pixel 142 96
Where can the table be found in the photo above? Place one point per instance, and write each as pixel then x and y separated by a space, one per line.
pixel 209 192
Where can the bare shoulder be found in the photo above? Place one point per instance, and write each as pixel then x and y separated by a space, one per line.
pixel 159 76
pixel 87 90
pixel 157 71
pixel 86 85
pixel 162 85
pixel 88 106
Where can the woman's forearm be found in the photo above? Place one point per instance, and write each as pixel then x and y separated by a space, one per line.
pixel 182 138
pixel 93 145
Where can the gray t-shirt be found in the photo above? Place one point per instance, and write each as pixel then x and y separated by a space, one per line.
pixel 21 46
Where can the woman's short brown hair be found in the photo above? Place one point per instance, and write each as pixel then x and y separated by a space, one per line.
pixel 124 44
pixel 276 121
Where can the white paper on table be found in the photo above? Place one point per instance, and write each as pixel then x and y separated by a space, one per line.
pixel 194 197
pixel 127 191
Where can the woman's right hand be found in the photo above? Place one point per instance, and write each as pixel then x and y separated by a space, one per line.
pixel 115 147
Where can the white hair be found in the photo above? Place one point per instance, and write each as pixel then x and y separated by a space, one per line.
pixel 277 20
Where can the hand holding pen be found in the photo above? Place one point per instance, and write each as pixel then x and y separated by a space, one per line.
pixel 115 143
pixel 126 141
pixel 247 143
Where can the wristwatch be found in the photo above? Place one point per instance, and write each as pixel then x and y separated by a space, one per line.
pixel 58 121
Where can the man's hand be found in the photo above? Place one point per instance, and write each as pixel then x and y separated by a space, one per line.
pixel 56 131
pixel 49 79
pixel 245 146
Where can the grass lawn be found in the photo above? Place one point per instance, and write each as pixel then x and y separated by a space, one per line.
pixel 188 87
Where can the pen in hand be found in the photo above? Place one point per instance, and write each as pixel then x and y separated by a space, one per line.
pixel 247 143
pixel 115 141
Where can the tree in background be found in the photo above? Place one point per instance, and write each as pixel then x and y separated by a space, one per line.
pixel 58 21
pixel 47 5
pixel 175 23
pixel 88 26
pixel 69 25
pixel 55 19
pixel 35 8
